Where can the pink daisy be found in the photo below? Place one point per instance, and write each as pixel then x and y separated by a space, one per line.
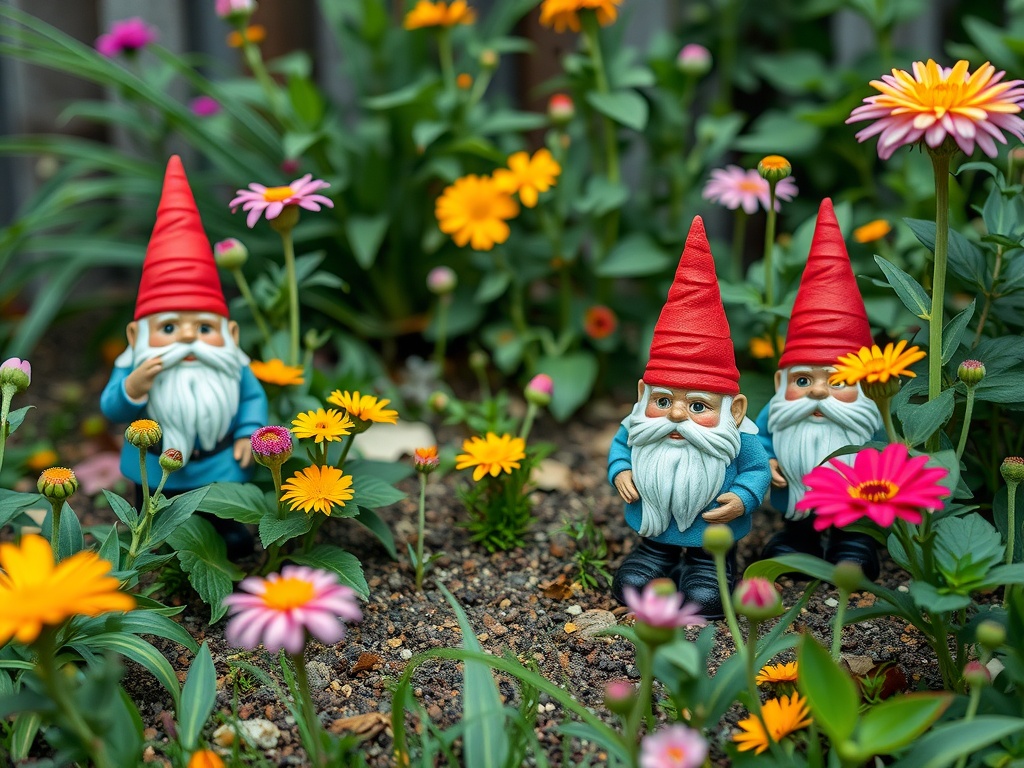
pixel 882 485
pixel 674 746
pixel 735 188
pixel 939 102
pixel 126 36
pixel 273 200
pixel 660 605
pixel 281 608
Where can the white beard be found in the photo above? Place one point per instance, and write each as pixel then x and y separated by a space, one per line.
pixel 802 441
pixel 678 479
pixel 195 401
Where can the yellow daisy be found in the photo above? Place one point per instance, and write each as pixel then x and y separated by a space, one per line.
pixel 320 425
pixel 528 176
pixel 475 210
pixel 439 14
pixel 36 592
pixel 871 365
pixel 777 673
pixel 363 407
pixel 782 716
pixel 317 489
pixel 761 346
pixel 565 14
pixel 491 455
pixel 872 231
pixel 276 372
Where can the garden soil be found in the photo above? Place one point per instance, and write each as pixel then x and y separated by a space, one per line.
pixel 526 602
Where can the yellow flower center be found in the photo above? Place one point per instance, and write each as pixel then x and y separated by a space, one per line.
pixel 874 490
pixel 277 194
pixel 774 162
pixel 144 425
pixel 285 594
pixel 58 475
pixel 750 186
pixel 675 754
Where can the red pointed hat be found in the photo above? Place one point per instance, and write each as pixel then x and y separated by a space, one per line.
pixel 692 348
pixel 179 273
pixel 828 317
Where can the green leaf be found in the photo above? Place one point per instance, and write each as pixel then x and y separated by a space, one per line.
pixel 896 722
pixel 203 557
pixel 390 472
pixel 306 101
pixel 110 548
pixel 170 517
pixel 966 545
pixel 966 260
pixel 601 196
pixel 365 234
pixel 773 568
pixel 139 651
pixel 831 694
pixel 137 622
pixel 16 417
pixel 573 375
pixel 626 107
pixel 907 288
pixel 426 132
pixel 945 743
pixel 373 492
pixel 380 529
pixel 243 502
pixel 198 696
pixel 954 331
pixel 511 121
pixel 404 95
pixel 485 742
pixel 780 133
pixel 635 255
pixel 1005 387
pixel 23 734
pixel 921 420
pixel 125 512
pixel 71 538
pixel 336 560
pixel 13 502
pixel 927 597
pixel 278 530
pixel 494 284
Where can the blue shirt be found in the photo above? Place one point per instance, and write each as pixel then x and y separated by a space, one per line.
pixel 748 476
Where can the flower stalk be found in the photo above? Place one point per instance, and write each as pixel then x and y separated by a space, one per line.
pixel 940 167
pixel 284 224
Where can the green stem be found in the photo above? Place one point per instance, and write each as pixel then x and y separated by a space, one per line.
pixel 643 709
pixel 769 248
pixel 749 651
pixel 983 317
pixel 422 521
pixel 973 701
pixel 837 626
pixel 518 316
pixel 1011 521
pixel 308 709
pixel 723 592
pixel 7 394
pixel 254 308
pixel 442 330
pixel 739 237
pixel 444 55
pixel 531 414
pixel 275 473
pixel 293 297
pixel 968 411
pixel 345 449
pixel 251 51
pixel 144 482
pixel 885 409
pixel 940 167
pixel 58 507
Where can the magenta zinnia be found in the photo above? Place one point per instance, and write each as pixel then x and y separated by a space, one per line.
pixel 281 608
pixel 272 200
pixel 882 485
pixel 939 102
pixel 735 188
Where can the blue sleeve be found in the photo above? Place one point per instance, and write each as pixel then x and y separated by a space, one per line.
pixel 252 406
pixel 753 473
pixel 763 435
pixel 114 401
pixel 620 457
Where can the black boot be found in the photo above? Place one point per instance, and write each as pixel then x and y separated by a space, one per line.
pixel 698 581
pixel 649 561
pixel 856 548
pixel 795 536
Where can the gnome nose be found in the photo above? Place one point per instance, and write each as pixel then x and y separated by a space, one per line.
pixel 819 390
pixel 188 332
pixel 677 412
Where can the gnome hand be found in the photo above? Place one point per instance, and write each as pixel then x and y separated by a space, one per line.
pixel 732 507
pixel 138 383
pixel 626 487
pixel 778 481
pixel 243 452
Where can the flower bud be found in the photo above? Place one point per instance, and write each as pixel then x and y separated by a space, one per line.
pixel 718 539
pixel 479 360
pixel 17 373
pixel 143 433
pixel 205 758
pixel 230 253
pixel 1012 469
pixel 489 59
pixel 694 60
pixel 848 576
pixel 561 109
pixel 990 634
pixel 757 599
pixel 540 389
pixel 464 81
pixel 271 446
pixel 774 168
pixel 976 674
pixel 171 460
pixel 971 372
pixel 619 696
pixel 233 10
pixel 57 483
pixel 425 460
pixel 442 280
pixel 438 402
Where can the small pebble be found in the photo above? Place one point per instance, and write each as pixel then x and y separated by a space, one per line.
pixel 405 653
pixel 574 610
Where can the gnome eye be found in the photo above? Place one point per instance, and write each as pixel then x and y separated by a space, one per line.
pixel 168 328
pixel 698 407
pixel 663 402
pixel 205 328
pixel 803 381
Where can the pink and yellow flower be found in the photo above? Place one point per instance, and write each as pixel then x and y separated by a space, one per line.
pixel 881 485
pixel 280 609
pixel 272 200
pixel 935 103
pixel 661 605
pixel 674 746
pixel 735 188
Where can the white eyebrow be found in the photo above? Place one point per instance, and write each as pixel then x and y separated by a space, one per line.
pixel 163 317
pixel 802 369
pixel 205 317
pixel 661 391
pixel 702 395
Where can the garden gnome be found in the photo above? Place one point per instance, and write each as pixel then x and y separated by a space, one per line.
pixel 680 460
pixel 808 419
pixel 183 366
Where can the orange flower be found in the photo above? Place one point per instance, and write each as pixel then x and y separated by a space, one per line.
pixel 439 14
pixel 529 176
pixel 565 14
pixel 873 230
pixel 255 33
pixel 276 372
pixel 599 322
pixel 874 364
